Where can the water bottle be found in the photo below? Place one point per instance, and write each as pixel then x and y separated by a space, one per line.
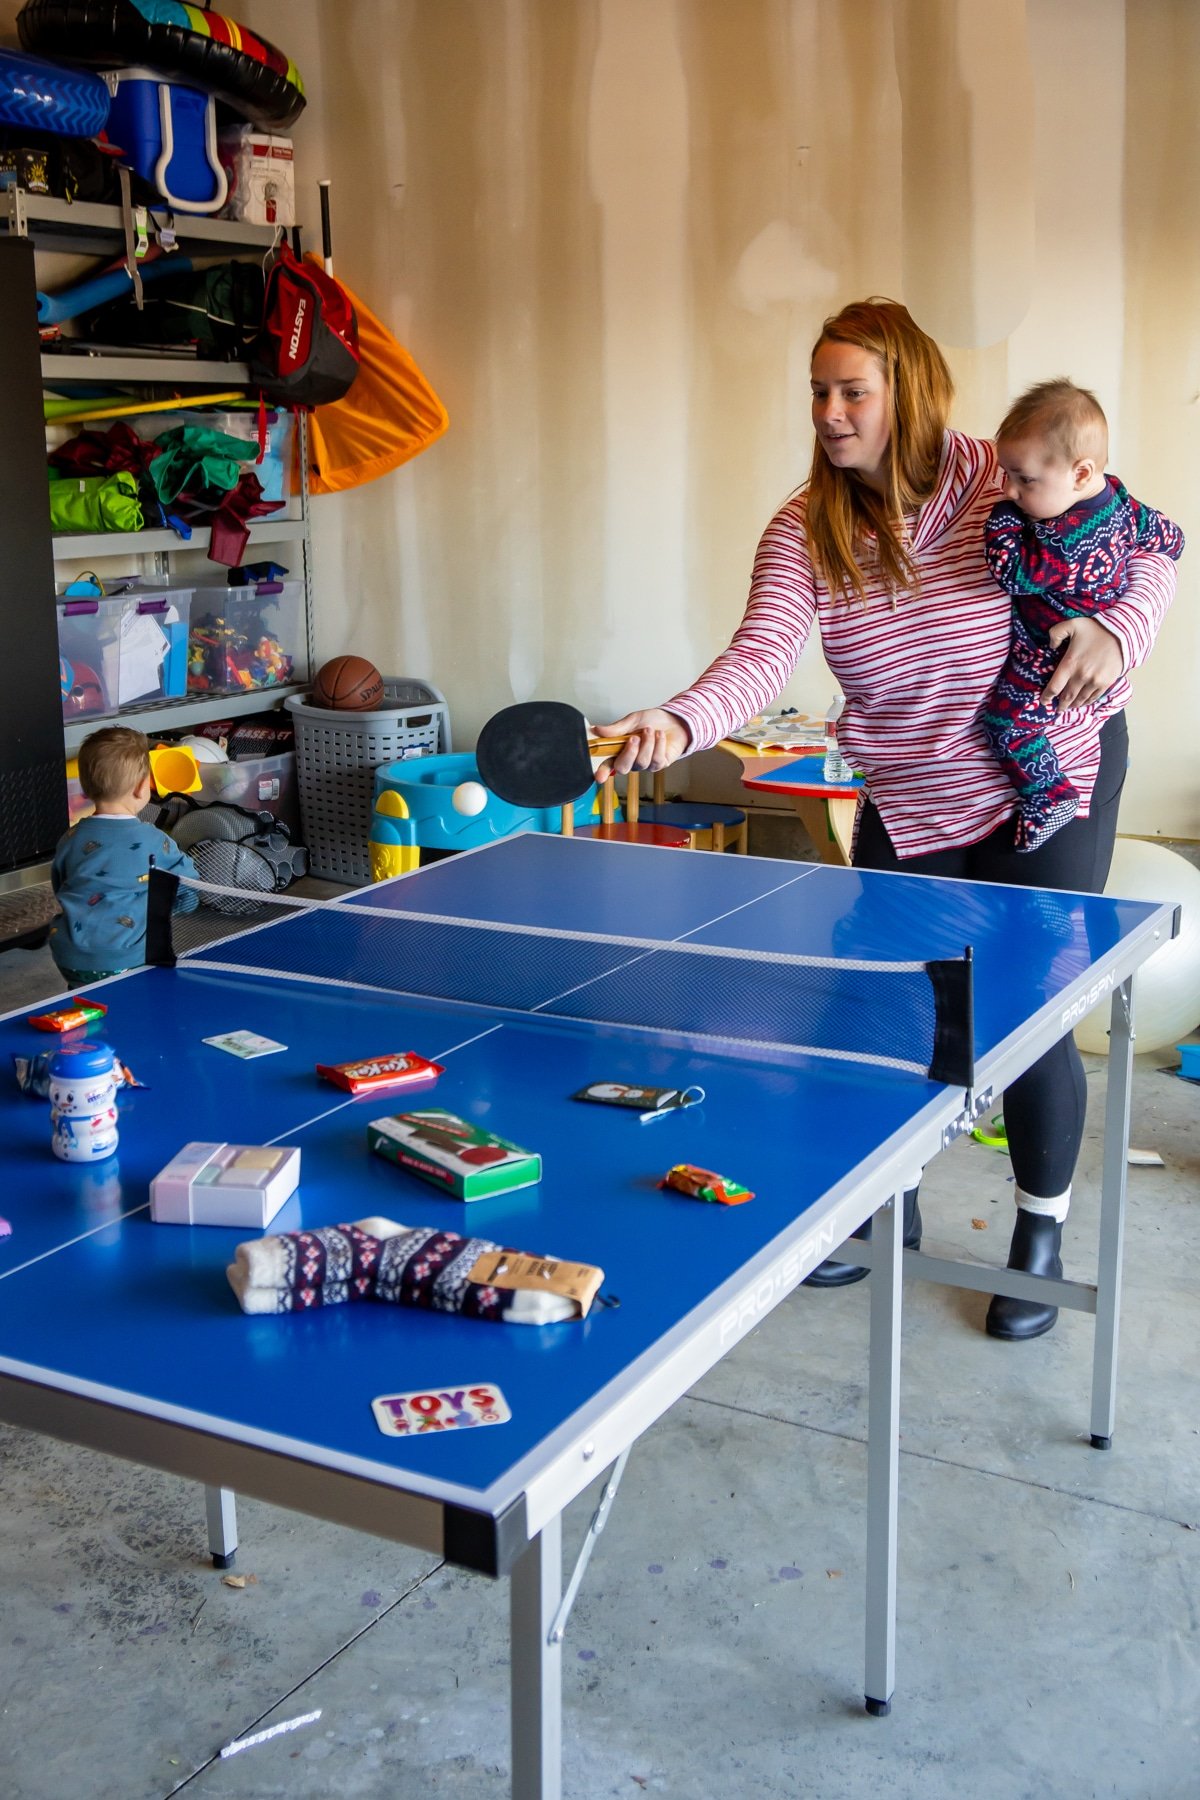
pixel 837 769
pixel 83 1110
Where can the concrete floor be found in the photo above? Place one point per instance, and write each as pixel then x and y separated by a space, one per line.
pixel 1048 1603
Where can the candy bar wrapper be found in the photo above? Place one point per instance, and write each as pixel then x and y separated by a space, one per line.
pixel 704 1184
pixel 398 1068
pixel 438 1271
pixel 69 1018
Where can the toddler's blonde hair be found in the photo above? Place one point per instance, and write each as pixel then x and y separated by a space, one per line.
pixel 112 762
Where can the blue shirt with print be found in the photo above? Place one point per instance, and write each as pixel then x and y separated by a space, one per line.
pixel 100 873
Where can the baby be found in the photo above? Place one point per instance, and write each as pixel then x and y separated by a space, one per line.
pixel 101 868
pixel 1059 543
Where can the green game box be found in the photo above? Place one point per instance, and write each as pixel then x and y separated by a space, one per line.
pixel 462 1159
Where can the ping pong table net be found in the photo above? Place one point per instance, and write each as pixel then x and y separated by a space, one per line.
pixel 911 1017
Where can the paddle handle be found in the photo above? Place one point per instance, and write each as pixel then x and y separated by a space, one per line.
pixel 596 747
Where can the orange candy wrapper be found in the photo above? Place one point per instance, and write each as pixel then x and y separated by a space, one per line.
pixel 399 1068
pixel 69 1018
pixel 703 1184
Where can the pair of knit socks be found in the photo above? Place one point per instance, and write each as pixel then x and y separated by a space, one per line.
pixel 403 1265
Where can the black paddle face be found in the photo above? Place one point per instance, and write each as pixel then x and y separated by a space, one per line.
pixel 535 754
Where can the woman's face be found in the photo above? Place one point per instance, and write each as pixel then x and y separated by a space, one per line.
pixel 850 409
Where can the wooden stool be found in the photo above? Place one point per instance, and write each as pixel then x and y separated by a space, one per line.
pixel 709 826
pixel 667 837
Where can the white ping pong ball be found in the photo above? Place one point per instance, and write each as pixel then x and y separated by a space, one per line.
pixel 469 798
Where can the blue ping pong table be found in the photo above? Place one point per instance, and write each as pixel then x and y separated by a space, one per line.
pixel 124 1336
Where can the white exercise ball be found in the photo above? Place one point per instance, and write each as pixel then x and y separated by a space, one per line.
pixel 1166 989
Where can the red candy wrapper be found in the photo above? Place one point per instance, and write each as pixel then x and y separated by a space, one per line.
pixel 70 1018
pixel 702 1184
pixel 399 1068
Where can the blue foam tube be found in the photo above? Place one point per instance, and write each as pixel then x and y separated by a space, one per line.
pixel 86 295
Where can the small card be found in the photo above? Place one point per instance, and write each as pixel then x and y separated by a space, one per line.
pixel 245 1044
pixel 439 1409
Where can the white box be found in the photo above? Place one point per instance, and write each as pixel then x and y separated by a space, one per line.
pixel 262 179
pixel 225 1184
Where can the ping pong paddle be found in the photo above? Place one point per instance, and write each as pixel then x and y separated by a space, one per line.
pixel 538 753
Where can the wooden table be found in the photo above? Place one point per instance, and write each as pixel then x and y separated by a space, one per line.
pixel 826 809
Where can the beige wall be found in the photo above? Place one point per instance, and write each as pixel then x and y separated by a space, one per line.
pixel 609 229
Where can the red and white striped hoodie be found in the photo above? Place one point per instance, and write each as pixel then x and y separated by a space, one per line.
pixel 915 668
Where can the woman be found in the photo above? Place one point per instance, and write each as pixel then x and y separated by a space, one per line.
pixel 884 548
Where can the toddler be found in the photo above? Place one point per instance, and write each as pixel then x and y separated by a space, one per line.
pixel 1059 543
pixel 101 867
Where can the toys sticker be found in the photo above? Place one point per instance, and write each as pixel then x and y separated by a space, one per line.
pixel 439 1409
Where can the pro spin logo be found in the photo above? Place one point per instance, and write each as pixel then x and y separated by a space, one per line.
pixel 1085 1002
pixel 776 1282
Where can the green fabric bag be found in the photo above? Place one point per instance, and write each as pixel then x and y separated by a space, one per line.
pixel 96 503
pixel 198 460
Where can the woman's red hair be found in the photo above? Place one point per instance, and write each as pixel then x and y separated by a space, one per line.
pixel 843 512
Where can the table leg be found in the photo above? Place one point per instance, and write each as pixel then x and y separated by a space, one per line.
pixel 220 1512
pixel 883 1453
pixel 830 825
pixel 1112 1216
pixel 535 1668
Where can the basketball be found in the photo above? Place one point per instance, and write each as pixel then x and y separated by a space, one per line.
pixel 348 684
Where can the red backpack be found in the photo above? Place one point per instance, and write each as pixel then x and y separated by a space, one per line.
pixel 307 351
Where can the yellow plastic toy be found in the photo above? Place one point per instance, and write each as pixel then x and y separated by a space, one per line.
pixel 393 858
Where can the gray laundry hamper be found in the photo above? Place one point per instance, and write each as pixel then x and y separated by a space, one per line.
pixel 337 754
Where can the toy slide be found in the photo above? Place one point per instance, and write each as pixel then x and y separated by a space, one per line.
pixel 96 290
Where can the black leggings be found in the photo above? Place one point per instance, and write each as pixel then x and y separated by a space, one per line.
pixel 1044 1108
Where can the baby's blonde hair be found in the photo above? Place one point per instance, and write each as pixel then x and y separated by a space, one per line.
pixel 1069 420
pixel 112 762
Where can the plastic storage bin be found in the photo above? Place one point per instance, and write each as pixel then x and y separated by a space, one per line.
pixel 89 641
pixel 259 783
pixel 275 469
pixel 337 754
pixel 124 648
pixel 246 637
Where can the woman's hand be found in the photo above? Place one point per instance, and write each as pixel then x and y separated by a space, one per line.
pixel 1092 661
pixel 656 739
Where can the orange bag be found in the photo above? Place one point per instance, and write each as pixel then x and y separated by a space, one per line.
pixel 389 415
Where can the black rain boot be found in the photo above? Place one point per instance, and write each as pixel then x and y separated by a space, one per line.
pixel 1036 1245
pixel 832 1273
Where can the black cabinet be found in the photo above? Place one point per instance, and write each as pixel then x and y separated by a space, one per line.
pixel 33 792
